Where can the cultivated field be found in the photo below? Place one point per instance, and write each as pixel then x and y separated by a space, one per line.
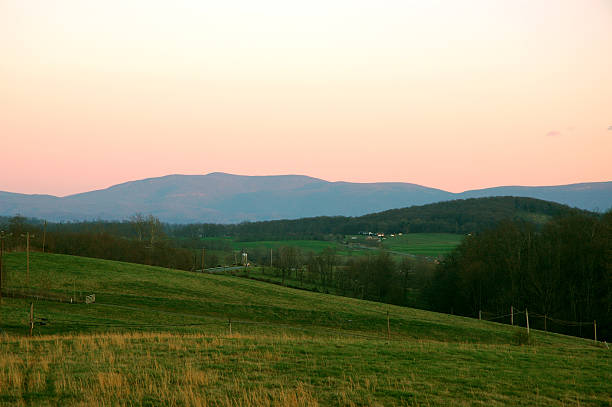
pixel 157 336
pixel 423 244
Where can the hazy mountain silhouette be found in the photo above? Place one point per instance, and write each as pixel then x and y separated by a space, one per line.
pixel 227 198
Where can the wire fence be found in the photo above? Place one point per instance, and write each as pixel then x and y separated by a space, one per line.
pixel 543 322
pixel 47 295
pixel 516 317
pixel 211 320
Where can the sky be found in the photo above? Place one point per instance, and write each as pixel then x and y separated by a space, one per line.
pixel 457 94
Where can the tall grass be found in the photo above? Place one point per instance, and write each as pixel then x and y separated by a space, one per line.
pixel 283 370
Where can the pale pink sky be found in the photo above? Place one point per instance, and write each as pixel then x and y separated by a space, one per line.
pixel 449 94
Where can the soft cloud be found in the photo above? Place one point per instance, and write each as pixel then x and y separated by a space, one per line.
pixel 553 133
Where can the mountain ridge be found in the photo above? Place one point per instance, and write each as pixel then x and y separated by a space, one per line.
pixel 227 198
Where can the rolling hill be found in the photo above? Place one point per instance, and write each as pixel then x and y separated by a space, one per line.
pixel 227 198
pixel 457 216
pixel 162 337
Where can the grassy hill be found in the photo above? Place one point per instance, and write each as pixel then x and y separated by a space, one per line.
pixel 159 336
pixel 460 216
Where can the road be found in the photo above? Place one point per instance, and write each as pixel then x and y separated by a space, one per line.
pixel 216 270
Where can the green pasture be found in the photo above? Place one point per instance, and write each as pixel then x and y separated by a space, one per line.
pixel 162 337
pixel 316 246
pixel 419 244
pixel 425 244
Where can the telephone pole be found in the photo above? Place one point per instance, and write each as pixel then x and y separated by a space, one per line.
pixel 2 237
pixel 28 259
pixel 203 259
pixel 1 252
pixel 44 236
pixel 27 236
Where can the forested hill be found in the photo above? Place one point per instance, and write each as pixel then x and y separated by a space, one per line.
pixel 464 215
pixel 459 216
pixel 228 198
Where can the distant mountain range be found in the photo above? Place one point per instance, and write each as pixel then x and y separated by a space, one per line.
pixel 227 198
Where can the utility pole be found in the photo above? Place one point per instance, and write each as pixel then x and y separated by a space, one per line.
pixel 28 259
pixel 2 237
pixel 1 252
pixel 203 259
pixel 44 236
pixel 27 236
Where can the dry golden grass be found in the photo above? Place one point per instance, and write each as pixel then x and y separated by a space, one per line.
pixel 120 370
pixel 145 368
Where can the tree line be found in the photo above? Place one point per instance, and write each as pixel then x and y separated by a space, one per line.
pixel 458 216
pixel 378 276
pixel 142 240
pixel 562 271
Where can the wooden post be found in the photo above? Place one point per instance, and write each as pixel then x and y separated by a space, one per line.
pixel 28 260
pixel 1 252
pixel 527 318
pixel 230 326
pixel 511 315
pixel 31 318
pixel 480 315
pixel 545 323
pixel 595 330
pixel 203 259
pixel 270 257
pixel 44 236
pixel 388 327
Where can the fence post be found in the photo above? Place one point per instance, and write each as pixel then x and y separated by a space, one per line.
pixel 511 315
pixel 545 323
pixel 230 326
pixel 479 315
pixel 388 328
pixel 31 318
pixel 527 318
pixel 595 330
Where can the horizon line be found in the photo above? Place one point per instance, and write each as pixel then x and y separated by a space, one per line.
pixel 306 176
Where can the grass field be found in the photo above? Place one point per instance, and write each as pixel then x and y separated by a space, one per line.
pixel 315 246
pixel 425 244
pixel 161 337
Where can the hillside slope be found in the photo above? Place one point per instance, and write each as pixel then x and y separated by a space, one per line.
pixel 458 216
pixel 162 337
pixel 130 295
